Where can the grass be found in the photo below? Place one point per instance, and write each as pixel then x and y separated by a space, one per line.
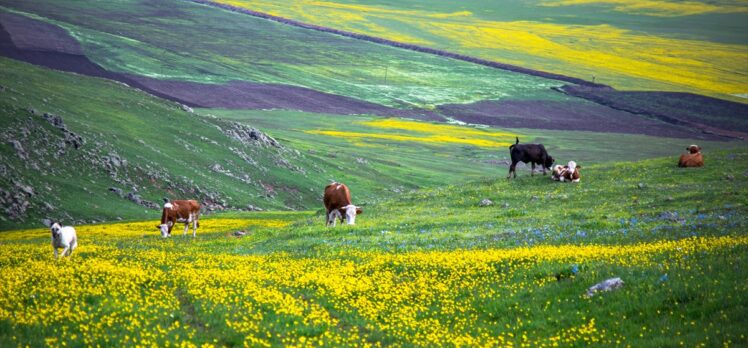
pixel 179 40
pixel 632 45
pixel 154 135
pixel 427 268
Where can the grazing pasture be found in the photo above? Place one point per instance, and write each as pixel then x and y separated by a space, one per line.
pixel 184 42
pixel 633 45
pixel 427 268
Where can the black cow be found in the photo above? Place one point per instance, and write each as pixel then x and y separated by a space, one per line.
pixel 533 153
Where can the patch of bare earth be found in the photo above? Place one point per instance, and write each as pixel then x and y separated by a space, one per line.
pixel 566 115
pixel 47 45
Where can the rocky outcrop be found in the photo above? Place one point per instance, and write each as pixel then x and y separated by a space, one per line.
pixel 250 136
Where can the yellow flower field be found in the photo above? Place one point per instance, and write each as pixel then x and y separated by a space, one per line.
pixel 129 291
pixel 425 133
pixel 615 56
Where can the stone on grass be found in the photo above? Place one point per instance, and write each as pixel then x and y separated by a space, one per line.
pixel 485 202
pixel 606 285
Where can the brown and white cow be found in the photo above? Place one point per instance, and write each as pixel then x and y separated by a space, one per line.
pixel 569 172
pixel 337 202
pixel 691 159
pixel 180 211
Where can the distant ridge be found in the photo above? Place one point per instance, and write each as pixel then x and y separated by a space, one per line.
pixel 407 46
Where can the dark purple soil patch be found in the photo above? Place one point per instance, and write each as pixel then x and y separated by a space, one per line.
pixel 246 95
pixel 563 115
pixel 31 35
pixel 52 47
pixel 709 114
pixel 406 46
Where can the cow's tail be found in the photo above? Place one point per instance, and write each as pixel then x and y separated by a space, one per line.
pixel 512 146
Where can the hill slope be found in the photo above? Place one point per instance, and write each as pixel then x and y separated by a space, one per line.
pixel 428 268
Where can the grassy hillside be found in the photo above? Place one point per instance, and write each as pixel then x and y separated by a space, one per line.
pixel 633 44
pixel 134 149
pixel 134 144
pixel 183 41
pixel 131 144
pixel 427 268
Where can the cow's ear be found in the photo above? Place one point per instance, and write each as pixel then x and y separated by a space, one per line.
pixel 579 167
pixel 359 210
pixel 158 226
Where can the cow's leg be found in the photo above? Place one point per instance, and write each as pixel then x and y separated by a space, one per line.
pixel 65 251
pixel 333 219
pixel 194 226
pixel 512 168
pixel 186 227
pixel 532 170
pixel 55 249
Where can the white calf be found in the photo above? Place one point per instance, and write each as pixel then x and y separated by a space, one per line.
pixel 63 237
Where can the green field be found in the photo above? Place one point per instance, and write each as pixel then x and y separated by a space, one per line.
pixel 691 46
pixel 426 268
pixel 171 153
pixel 179 40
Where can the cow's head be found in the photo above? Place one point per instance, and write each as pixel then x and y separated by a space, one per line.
pixel 549 162
pixel 55 228
pixel 350 213
pixel 693 149
pixel 165 229
pixel 572 167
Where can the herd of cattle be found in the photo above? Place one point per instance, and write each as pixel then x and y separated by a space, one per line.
pixel 337 196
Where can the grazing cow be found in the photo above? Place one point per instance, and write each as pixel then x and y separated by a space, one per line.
pixel 691 159
pixel 533 153
pixel 569 172
pixel 337 202
pixel 63 237
pixel 180 211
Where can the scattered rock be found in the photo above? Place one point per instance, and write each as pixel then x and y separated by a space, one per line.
pixel 253 208
pixel 249 135
pixel 641 185
pixel 505 205
pixel 47 222
pixel 28 190
pixel 606 285
pixel 239 233
pixel 117 191
pixel 729 177
pixel 20 151
pixel 485 202
pixel 669 198
pixel 217 168
pixel 360 160
pixel 187 108
pixel 534 198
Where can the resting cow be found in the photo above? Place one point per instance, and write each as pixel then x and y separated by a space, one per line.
pixel 691 159
pixel 180 211
pixel 569 172
pixel 533 153
pixel 337 202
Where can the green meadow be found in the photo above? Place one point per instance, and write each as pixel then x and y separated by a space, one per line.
pixel 693 46
pixel 431 267
pixel 197 43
